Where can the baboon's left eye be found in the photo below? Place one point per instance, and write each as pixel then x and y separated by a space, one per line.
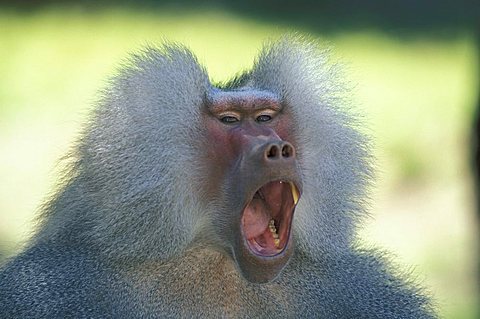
pixel 263 118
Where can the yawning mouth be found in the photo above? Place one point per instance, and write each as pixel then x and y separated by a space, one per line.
pixel 267 218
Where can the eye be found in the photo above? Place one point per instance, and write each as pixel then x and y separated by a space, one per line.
pixel 263 118
pixel 229 119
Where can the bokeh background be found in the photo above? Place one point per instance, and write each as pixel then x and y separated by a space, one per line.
pixel 415 69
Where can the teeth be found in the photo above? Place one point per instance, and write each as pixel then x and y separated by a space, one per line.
pixel 273 230
pixel 271 226
pixel 294 193
pixel 277 242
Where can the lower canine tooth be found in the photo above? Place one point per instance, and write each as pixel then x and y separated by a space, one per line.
pixel 277 242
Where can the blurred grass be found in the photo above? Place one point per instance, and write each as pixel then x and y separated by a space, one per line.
pixel 417 95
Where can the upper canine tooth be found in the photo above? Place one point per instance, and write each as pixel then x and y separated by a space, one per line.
pixel 294 193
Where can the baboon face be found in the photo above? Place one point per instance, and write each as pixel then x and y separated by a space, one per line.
pixel 254 174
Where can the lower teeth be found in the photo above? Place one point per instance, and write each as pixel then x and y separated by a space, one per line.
pixel 277 242
pixel 273 230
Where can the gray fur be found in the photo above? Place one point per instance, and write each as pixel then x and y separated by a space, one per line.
pixel 129 234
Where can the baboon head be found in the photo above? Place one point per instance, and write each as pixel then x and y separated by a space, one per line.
pixel 257 168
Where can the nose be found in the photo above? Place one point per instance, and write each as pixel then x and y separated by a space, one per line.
pixel 279 151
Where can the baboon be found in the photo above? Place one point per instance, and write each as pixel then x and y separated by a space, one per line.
pixel 185 199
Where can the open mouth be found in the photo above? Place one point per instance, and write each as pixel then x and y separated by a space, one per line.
pixel 267 218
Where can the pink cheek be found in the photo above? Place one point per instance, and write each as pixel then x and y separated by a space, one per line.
pixel 219 145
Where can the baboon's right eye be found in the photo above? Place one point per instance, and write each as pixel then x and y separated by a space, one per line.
pixel 229 119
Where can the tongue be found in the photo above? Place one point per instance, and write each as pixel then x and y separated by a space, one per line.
pixel 255 219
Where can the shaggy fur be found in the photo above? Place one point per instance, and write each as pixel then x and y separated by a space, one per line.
pixel 129 235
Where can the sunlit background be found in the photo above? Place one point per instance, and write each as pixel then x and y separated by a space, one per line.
pixel 414 66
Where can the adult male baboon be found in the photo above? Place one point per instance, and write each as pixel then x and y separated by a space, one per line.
pixel 186 199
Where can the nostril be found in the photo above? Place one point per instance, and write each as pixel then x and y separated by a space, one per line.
pixel 272 152
pixel 287 151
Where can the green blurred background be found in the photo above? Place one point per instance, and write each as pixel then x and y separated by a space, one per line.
pixel 415 66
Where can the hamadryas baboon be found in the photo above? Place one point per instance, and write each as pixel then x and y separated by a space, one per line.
pixel 188 199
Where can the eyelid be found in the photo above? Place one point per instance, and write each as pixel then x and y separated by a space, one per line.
pixel 232 114
pixel 268 112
